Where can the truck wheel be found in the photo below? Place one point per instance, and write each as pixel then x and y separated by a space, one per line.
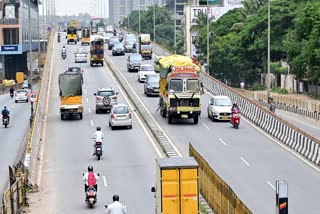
pixel 80 115
pixel 164 113
pixel 170 119
pixel 102 64
pixel 195 119
pixel 62 117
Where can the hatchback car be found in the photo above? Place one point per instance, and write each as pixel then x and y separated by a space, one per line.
pixel 118 49
pixel 134 62
pixel 120 116
pixel 145 70
pixel 113 40
pixel 129 46
pixel 21 95
pixel 219 108
pixel 151 85
pixel 105 98
pixel 80 57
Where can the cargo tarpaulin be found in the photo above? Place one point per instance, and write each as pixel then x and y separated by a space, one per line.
pixel 70 84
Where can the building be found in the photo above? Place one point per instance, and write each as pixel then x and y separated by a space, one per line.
pixel 14 39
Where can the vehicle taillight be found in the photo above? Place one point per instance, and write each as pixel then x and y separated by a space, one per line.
pixel 112 116
pixel 129 115
pixel 114 98
pixel 26 94
pixel 99 98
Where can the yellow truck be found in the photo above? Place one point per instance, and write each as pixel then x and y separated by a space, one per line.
pixel 96 50
pixel 177 186
pixel 70 86
pixel 144 46
pixel 72 34
pixel 180 88
pixel 85 35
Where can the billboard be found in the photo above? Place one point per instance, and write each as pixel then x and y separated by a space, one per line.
pixel 210 2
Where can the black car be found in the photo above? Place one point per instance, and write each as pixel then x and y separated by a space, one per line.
pixel 113 40
pixel 151 85
pixel 134 62
pixel 129 46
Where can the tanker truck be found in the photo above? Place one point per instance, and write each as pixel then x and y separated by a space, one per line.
pixel 180 88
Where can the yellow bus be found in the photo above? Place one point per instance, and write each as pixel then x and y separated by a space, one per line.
pixel 72 34
pixel 85 35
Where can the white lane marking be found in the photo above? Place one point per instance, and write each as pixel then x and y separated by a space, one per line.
pixel 224 143
pixel 144 106
pixel 270 184
pixel 85 91
pixel 105 181
pixel 87 100
pixel 205 126
pixel 241 158
pixel 279 143
pixel 89 110
pixel 91 122
pixel 135 113
pixel 44 132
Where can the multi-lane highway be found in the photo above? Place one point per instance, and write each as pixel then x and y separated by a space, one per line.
pixel 127 167
pixel 247 159
pixel 11 138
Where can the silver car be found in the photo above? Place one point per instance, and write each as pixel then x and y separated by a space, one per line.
pixel 105 99
pixel 134 62
pixel 81 57
pixel 21 95
pixel 120 116
pixel 219 108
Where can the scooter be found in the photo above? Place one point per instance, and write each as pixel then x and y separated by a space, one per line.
pixel 58 39
pixel 99 151
pixel 91 196
pixel 5 121
pixel 64 55
pixel 235 119
pixel 11 95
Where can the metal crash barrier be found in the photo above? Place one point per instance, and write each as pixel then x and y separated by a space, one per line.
pixel 217 193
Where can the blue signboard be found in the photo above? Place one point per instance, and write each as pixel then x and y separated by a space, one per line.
pixel 6 48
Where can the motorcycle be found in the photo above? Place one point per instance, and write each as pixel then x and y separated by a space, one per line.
pixel 91 196
pixel 64 55
pixel 99 151
pixel 5 121
pixel 11 95
pixel 120 36
pixel 235 119
pixel 58 39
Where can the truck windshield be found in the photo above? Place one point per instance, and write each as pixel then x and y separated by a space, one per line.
pixel 176 85
pixel 145 47
pixel 193 86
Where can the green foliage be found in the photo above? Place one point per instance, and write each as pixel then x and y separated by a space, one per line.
pixel 257 87
pixel 279 90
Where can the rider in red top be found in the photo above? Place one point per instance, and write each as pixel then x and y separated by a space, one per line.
pixel 90 179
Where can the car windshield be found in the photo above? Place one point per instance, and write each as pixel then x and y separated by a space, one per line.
pixel 136 57
pixel 121 110
pixel 73 69
pixel 222 102
pixel 105 93
pixel 176 85
pixel 130 42
pixel 193 86
pixel 146 68
pixel 81 50
pixel 114 39
pixel 130 36
pixel 153 78
pixel 118 45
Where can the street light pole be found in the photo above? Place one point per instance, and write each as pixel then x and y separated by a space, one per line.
pixel 30 57
pixel 208 37
pixel 139 17
pixel 269 76
pixel 154 20
pixel 44 27
pixel 175 27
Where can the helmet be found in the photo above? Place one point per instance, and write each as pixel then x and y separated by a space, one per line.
pixel 64 47
pixel 5 106
pixel 115 198
pixel 90 168
pixel 98 128
pixel 235 103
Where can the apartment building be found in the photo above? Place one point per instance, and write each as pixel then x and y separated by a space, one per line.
pixel 14 35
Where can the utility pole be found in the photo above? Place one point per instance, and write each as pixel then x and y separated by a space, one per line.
pixel 208 38
pixel 30 58
pixel 139 17
pixel 154 21
pixel 44 28
pixel 175 27
pixel 269 75
pixel 39 30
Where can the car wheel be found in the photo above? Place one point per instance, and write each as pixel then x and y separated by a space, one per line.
pixel 80 115
pixel 27 100
pixel 109 124
pixel 15 101
pixel 97 111
pixel 212 118
pixel 112 128
pixel 130 127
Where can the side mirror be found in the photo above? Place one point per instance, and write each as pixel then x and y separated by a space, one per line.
pixel 105 206
pixel 98 174
pixel 153 189
pixel 117 93
pixel 95 94
pixel 82 174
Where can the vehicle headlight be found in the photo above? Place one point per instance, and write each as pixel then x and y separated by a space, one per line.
pixel 173 108
pixel 149 86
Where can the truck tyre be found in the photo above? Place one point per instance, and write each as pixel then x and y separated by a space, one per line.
pixel 102 64
pixel 62 117
pixel 169 119
pixel 196 119
pixel 163 113
pixel 80 115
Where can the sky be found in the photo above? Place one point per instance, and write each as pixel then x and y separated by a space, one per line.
pixel 71 7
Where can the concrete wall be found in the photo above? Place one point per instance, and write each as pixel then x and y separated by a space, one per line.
pixel 287 82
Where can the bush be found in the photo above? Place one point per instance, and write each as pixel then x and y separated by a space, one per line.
pixel 257 87
pixel 279 90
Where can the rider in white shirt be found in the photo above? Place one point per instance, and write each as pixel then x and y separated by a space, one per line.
pixel 98 137
pixel 116 207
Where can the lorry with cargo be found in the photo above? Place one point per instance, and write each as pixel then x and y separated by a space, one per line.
pixel 144 46
pixel 96 50
pixel 180 88
pixel 70 87
pixel 177 186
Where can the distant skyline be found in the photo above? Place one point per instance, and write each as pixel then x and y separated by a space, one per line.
pixel 74 7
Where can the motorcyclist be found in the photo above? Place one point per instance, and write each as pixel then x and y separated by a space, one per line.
pixel 98 137
pixel 11 91
pixel 234 107
pixel 90 179
pixel 116 207
pixel 5 112
pixel 64 50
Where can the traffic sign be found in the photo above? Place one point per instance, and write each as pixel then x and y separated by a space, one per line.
pixel 33 97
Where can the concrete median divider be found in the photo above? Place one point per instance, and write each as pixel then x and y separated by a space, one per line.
pixel 218 193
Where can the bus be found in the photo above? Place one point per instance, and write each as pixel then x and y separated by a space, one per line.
pixel 85 35
pixel 72 34
pixel 96 23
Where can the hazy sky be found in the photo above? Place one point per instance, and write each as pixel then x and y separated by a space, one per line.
pixel 70 7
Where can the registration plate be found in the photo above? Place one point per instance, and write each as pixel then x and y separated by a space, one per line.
pixel 224 117
pixel 184 116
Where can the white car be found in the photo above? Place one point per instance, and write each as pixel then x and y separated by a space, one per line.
pixel 120 115
pixel 81 57
pixel 145 69
pixel 21 95
pixel 219 108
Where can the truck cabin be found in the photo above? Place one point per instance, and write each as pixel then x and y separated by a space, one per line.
pixel 183 81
